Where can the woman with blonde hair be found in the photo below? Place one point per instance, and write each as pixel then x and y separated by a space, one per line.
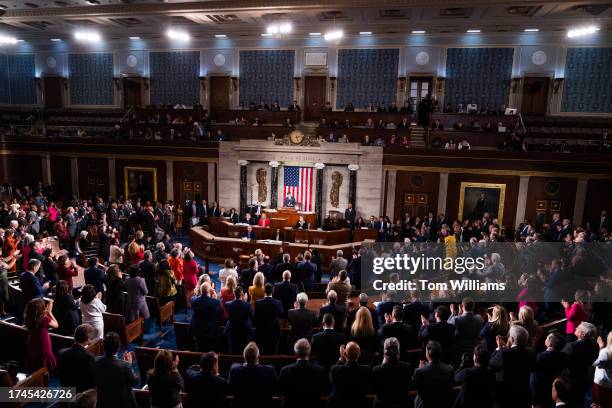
pixel 227 293
pixel 136 252
pixel 203 278
pixel 256 291
pixel 497 325
pixel 602 389
pixel 527 320
pixel 363 333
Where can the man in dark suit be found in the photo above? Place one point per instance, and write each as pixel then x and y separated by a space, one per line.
pixel 513 366
pixel 440 331
pixel 266 268
pixel 245 277
pixel 302 384
pixel 581 354
pixel 206 377
pixel 95 274
pixel 391 380
pixel 249 233
pixel 561 393
pixel 602 222
pixel 75 363
pixel 338 311
pixel 113 216
pixel 203 212
pixel 477 383
pixel 29 283
pixel 385 306
pixel 283 266
pixel 403 332
pixel 305 274
pixel 363 302
pixel 249 219
pixel 252 384
pixel 467 328
pixel 326 343
pixel 301 224
pixel 266 317
pixel 114 377
pixel 286 292
pixel 349 215
pixel 301 320
pixel 294 107
pixel 289 200
pixel 214 210
pixel 239 326
pixel 205 321
pixel 433 380
pixel 549 364
pixel 350 380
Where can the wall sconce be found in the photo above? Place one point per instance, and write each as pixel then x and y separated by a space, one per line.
pixel 296 80
pixel 557 84
pixel 332 83
pixel 402 84
pixel 234 83
pixel 203 82
pixel 514 84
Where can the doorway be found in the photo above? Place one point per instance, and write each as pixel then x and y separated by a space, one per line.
pixel 420 87
pixel 53 92
pixel 132 92
pixel 535 95
pixel 315 90
pixel 219 93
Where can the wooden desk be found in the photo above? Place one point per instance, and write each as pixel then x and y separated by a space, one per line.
pixel 290 217
pixel 448 120
pixel 268 117
pixel 236 231
pixel 318 237
pixel 362 234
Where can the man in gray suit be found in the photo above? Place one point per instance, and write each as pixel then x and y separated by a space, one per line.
pixel 337 264
pixel 467 328
pixel 301 320
pixel 71 223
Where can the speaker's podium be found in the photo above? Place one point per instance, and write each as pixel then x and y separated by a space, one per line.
pixel 289 216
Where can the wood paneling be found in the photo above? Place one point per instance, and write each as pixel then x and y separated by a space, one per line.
pixel 315 91
pixel 120 164
pixel 535 95
pixel 61 175
pixel 599 197
pixel 551 189
pixel 20 170
pixel 512 186
pixel 416 182
pixel 93 177
pixel 219 93
pixel 190 171
pixel 53 91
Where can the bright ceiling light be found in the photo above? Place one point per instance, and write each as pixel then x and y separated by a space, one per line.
pixel 279 29
pixel 135 38
pixel 473 31
pixel 87 36
pixel 220 36
pixel 178 35
pixel 314 34
pixel 365 33
pixel 266 35
pixel 579 32
pixel 333 35
pixel 532 30
pixel 6 40
pixel 56 39
pixel 418 31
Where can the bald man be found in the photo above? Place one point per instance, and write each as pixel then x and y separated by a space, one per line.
pixel 350 379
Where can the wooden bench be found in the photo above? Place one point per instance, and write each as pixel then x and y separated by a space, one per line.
pixel 184 341
pixel 59 342
pixel 39 378
pixel 14 343
pixel 537 341
pixel 161 313
pixel 127 332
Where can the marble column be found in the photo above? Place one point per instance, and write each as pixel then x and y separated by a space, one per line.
pixel 390 193
pixel 74 172
pixel 46 169
pixel 212 182
pixel 319 197
pixel 274 184
pixel 169 180
pixel 521 203
pixel 353 185
pixel 112 177
pixel 581 192
pixel 243 186
pixel 443 193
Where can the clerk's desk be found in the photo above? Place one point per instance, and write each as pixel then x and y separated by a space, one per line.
pixel 217 248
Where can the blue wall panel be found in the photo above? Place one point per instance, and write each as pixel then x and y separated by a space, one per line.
pixel 267 75
pixel 174 77
pixel 91 79
pixel 22 73
pixel 588 80
pixel 5 96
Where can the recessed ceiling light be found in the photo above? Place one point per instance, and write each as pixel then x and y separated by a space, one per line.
pixel 532 30
pixel 266 35
pixel 333 35
pixel 7 40
pixel 579 32
pixel 56 39
pixel 282 28
pixel 135 38
pixel 87 36
pixel 365 33
pixel 220 35
pixel 418 31
pixel 178 35
pixel 314 34
pixel 473 31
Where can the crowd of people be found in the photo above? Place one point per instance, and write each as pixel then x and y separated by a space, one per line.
pixel 344 351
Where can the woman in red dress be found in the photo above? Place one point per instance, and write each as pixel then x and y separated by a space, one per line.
pixel 190 274
pixel 66 270
pixel 38 317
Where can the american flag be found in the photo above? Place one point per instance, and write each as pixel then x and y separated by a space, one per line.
pixel 298 182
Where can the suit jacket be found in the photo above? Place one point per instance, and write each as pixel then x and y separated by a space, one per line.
pixel 95 276
pixel 467 332
pixel 207 314
pixel 326 346
pixel 477 385
pixel 216 388
pixel 286 292
pixel 443 333
pixel 265 316
pixel 391 382
pixel 403 332
pixel 246 234
pixel 339 312
pixel 302 384
pixel 266 269
pixel 75 368
pixel 252 385
pixel 349 215
pixel 336 265
pixel 513 367
pixel 214 212
pixel 350 383
pixel 289 201
pixel 30 286
pixel 301 322
pixel 434 386
pixel 277 274
pixel 114 381
pixel 305 275
pixel 302 226
pixel 581 355
pixel 245 278
pixel 548 366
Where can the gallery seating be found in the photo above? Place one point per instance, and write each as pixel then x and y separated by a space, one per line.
pixel 127 332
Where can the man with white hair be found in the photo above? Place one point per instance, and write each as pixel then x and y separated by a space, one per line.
pixel 513 363
pixel 582 353
pixel 251 383
pixel 338 263
pixel 390 380
pixel 286 291
pixel 338 311
pixel 303 383
pixel 301 320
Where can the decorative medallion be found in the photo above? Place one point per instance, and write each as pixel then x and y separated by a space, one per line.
pixel 422 58
pixel 131 61
pixel 539 58
pixel 51 62
pixel 219 60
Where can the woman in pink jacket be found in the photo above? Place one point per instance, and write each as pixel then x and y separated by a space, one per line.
pixel 575 314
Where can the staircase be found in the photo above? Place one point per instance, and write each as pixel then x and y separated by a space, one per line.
pixel 418 136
